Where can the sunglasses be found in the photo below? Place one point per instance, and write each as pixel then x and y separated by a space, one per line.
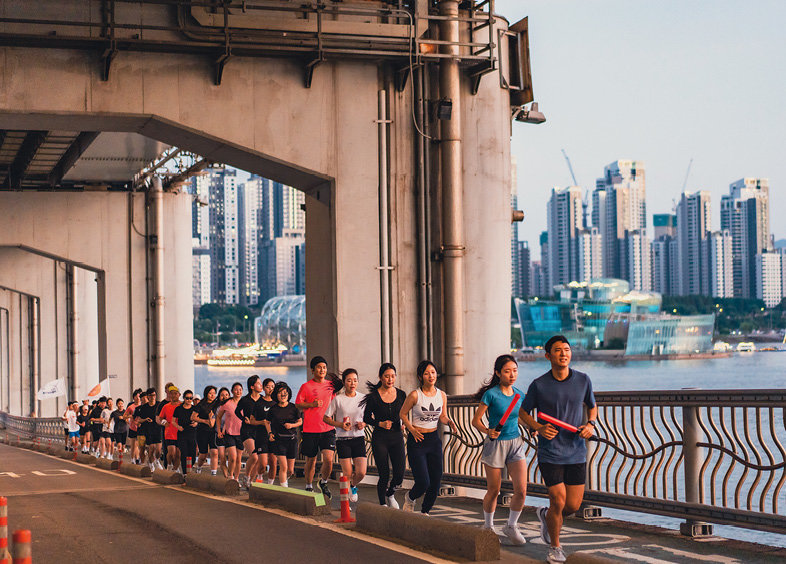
pixel 188 397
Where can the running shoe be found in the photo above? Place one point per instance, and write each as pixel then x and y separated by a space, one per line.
pixel 158 464
pixel 512 532
pixel 353 494
pixel 556 554
pixel 197 469
pixel 309 488
pixel 391 500
pixel 323 485
pixel 409 504
pixel 544 529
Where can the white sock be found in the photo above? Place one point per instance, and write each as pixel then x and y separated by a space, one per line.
pixel 489 518
pixel 322 481
pixel 310 485
pixel 213 472
pixel 270 480
pixel 513 518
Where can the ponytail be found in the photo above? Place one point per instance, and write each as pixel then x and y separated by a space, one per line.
pixel 501 361
pixel 335 382
pixel 374 387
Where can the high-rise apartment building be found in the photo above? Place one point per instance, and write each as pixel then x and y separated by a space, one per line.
pixel 769 278
pixel 544 276
pixel 664 224
pixel 663 253
pixel 622 222
pixel 716 252
pixel 589 254
pixel 745 214
pixel 521 270
pixel 250 197
pixel 215 224
pixel 200 274
pixel 564 217
pixel 693 224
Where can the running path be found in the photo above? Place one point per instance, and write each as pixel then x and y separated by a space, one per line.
pixel 79 514
pixel 615 540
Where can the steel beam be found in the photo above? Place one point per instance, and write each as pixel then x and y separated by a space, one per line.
pixel 71 155
pixel 32 142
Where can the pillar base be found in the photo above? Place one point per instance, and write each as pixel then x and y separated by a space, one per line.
pixel 696 529
pixel 590 512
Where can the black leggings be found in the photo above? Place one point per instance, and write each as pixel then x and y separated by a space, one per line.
pixel 188 449
pixel 425 460
pixel 388 445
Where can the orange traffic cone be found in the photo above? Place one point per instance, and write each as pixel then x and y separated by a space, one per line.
pixel 23 552
pixel 346 514
pixel 5 557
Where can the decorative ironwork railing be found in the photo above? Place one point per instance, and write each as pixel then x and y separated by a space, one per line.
pixel 715 456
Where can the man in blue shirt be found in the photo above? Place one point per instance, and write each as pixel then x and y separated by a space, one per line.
pixel 562 455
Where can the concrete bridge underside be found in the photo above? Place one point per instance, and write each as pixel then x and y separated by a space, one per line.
pixel 262 119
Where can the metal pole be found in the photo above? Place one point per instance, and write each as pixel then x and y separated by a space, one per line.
pixel 426 85
pixel 452 201
pixel 35 355
pixel 384 217
pixel 73 325
pixel 422 226
pixel 157 248
pixel 693 455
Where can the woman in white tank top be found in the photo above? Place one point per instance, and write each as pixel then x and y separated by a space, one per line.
pixel 421 414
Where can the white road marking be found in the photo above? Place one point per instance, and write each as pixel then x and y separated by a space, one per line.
pixel 702 557
pixel 10 474
pixel 57 472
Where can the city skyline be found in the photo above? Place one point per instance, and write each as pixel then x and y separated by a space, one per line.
pixel 662 83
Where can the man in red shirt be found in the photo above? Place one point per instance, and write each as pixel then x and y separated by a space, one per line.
pixel 170 431
pixel 313 399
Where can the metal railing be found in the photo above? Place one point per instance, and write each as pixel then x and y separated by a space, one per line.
pixel 715 456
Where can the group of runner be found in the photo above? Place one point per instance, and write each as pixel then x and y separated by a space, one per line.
pixel 263 423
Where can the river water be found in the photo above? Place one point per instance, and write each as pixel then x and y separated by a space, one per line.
pixel 760 370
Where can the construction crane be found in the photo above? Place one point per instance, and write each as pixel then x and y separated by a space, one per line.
pixel 585 200
pixel 684 185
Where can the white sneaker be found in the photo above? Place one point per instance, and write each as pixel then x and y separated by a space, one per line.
pixel 514 535
pixel 391 501
pixel 152 467
pixel 544 529
pixel 556 554
pixel 353 494
pixel 158 464
pixel 271 481
pixel 409 504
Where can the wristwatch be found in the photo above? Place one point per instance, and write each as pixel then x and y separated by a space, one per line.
pixel 591 422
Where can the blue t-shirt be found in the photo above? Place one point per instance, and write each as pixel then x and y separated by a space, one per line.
pixel 498 403
pixel 563 400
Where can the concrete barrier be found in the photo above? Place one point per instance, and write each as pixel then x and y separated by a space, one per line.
pixel 56 450
pixel 167 478
pixel 107 464
pixel 295 501
pixel 136 470
pixel 83 458
pixel 213 484
pixel 66 455
pixel 26 444
pixel 452 539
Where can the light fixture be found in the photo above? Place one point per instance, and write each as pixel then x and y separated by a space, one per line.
pixel 531 115
pixel 444 109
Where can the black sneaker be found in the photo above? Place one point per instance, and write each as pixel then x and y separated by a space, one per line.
pixel 325 489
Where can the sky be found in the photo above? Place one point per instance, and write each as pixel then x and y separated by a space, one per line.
pixel 659 82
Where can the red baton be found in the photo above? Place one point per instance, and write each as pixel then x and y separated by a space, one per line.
pixel 557 422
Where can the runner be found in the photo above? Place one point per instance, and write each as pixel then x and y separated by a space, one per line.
pixel 72 426
pixel 382 408
pixel 120 430
pixel 313 399
pixel 96 424
pixel 346 415
pixel 223 396
pixel 108 428
pixel 502 448
pixel 284 421
pixel 229 430
pixel 184 420
pixel 266 456
pixel 562 455
pixel 206 430
pixel 249 406
pixel 133 428
pixel 83 420
pixel 150 438
pixel 164 418
pixel 424 445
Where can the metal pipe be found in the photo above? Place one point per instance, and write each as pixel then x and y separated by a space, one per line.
pixel 453 249
pixel 73 325
pixel 420 206
pixel 384 237
pixel 157 248
pixel 426 85
pixel 5 359
pixel 35 353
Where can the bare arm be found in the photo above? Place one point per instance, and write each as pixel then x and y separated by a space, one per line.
pixel 443 418
pixel 547 430
pixel 587 430
pixel 477 422
pixel 412 398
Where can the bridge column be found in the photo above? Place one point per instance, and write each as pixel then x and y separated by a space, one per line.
pixel 693 455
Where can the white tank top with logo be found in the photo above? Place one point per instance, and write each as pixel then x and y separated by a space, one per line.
pixel 427 410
